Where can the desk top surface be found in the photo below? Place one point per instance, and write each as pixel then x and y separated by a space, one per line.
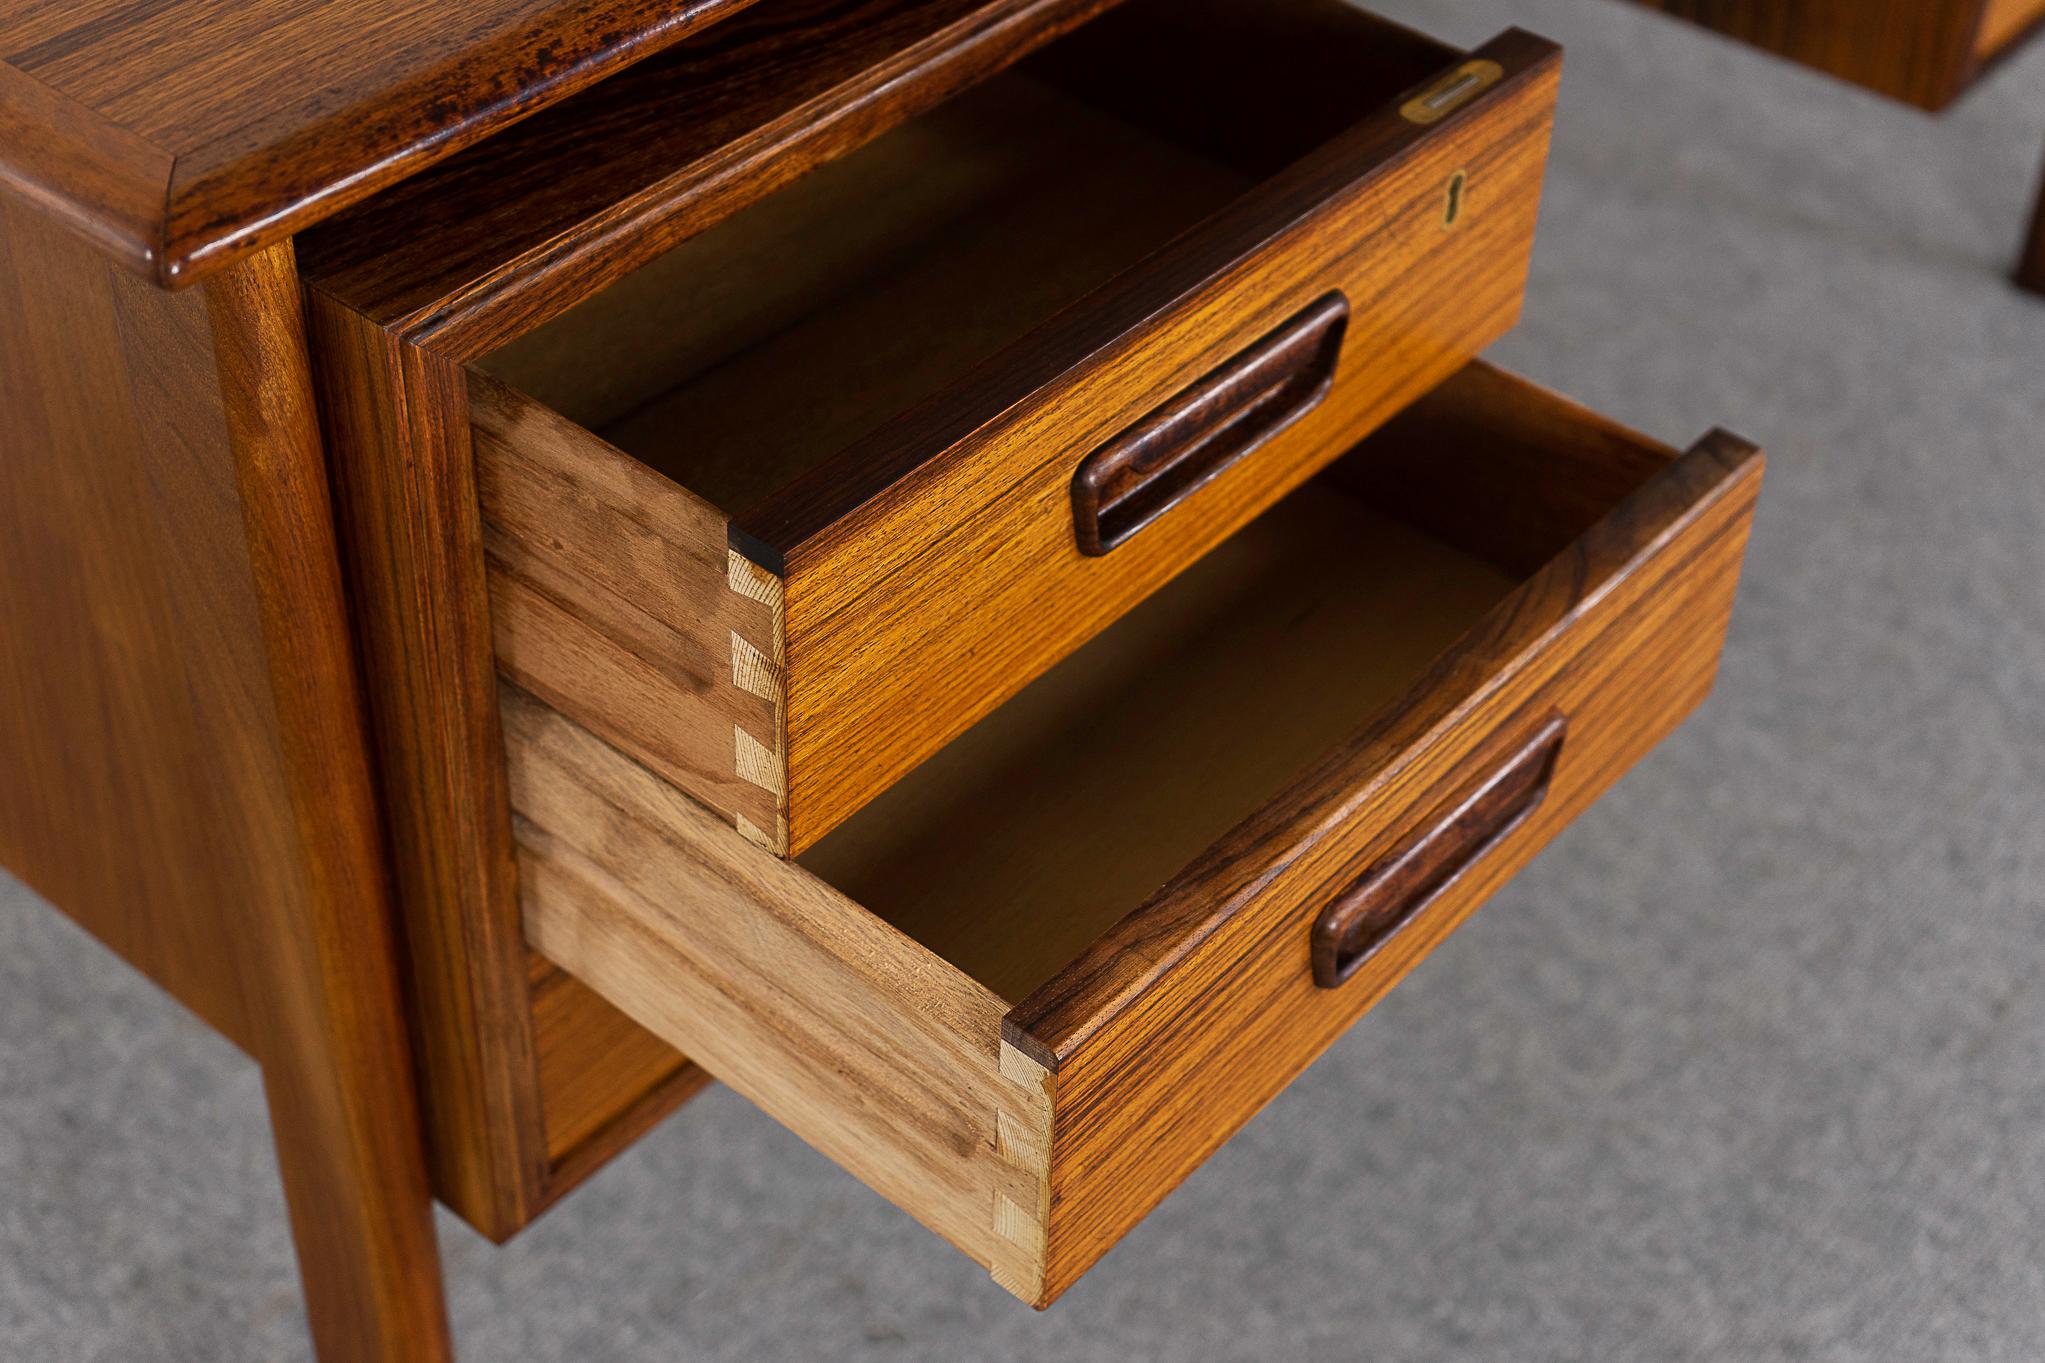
pixel 183 134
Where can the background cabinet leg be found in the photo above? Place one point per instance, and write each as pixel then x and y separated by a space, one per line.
pixel 2031 270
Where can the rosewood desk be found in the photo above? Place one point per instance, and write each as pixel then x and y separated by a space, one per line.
pixel 944 562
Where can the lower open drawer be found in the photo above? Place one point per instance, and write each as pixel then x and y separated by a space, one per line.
pixel 1029 989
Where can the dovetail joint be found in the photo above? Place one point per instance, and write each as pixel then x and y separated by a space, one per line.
pixel 752 581
pixel 757 763
pixel 751 670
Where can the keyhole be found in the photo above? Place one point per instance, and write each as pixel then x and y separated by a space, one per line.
pixel 1454 209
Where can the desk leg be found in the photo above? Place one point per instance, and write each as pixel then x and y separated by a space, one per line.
pixel 183 738
pixel 337 1066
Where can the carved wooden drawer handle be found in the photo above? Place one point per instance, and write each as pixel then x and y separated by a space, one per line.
pixel 1148 469
pixel 1421 869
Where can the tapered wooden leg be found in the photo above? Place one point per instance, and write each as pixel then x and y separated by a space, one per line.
pixel 337 1066
pixel 184 763
pixel 2031 269
pixel 355 1183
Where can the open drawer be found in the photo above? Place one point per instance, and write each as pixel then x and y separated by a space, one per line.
pixel 786 510
pixel 1030 988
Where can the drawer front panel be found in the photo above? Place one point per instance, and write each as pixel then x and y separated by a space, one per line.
pixel 608 593
pixel 927 603
pixel 1607 650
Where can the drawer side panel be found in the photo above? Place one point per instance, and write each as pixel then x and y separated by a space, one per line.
pixel 851 1035
pixel 615 596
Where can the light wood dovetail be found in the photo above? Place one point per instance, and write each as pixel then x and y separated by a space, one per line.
pixel 615 596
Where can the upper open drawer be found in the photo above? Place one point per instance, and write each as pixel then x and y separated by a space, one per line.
pixel 785 510
pixel 1029 989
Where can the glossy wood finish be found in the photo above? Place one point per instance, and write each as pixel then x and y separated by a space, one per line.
pixel 1157 1034
pixel 203 796
pixel 182 136
pixel 1924 52
pixel 396 421
pixel 183 738
pixel 396 415
pixel 918 559
pixel 913 561
pixel 1071 804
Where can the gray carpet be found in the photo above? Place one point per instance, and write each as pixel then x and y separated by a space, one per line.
pixel 1750 1065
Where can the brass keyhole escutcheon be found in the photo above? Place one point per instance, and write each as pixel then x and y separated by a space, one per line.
pixel 1452 208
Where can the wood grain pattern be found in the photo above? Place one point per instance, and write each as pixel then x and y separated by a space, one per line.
pixel 396 419
pixel 1159 1039
pixel 866 1045
pixel 1924 52
pixel 1255 87
pixel 1179 1025
pixel 187 768
pixel 911 564
pixel 95 177
pixel 195 138
pixel 588 1053
pixel 615 596
pixel 398 422
pixel 502 237
pixel 1034 833
pixel 971 491
pixel 1520 514
pixel 1012 195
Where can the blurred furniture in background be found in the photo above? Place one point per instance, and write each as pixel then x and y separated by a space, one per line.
pixel 1923 52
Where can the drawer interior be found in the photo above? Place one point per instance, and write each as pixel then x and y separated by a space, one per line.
pixel 1025 840
pixel 1014 848
pixel 753 352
